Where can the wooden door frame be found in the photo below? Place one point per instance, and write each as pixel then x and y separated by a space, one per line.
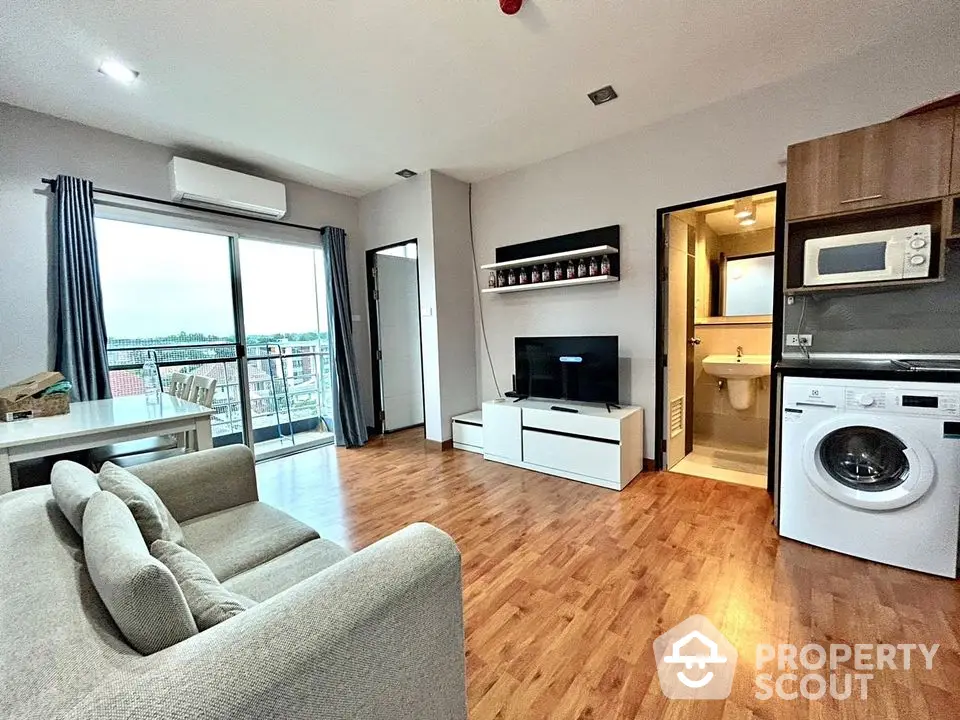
pixel 374 321
pixel 776 349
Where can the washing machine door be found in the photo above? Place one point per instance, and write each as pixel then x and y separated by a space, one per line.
pixel 867 462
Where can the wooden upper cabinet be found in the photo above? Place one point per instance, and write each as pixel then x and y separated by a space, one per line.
pixel 893 162
pixel 955 180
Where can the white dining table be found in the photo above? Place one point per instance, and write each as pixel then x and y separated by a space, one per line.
pixel 100 422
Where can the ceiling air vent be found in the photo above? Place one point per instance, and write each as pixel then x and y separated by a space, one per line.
pixel 603 95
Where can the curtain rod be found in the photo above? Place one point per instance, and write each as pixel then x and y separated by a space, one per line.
pixel 52 182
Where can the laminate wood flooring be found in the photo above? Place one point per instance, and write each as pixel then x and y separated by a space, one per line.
pixel 566 585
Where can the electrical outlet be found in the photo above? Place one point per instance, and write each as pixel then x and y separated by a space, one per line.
pixel 798 340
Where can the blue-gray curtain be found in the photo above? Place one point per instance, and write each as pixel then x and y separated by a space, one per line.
pixel 81 333
pixel 350 427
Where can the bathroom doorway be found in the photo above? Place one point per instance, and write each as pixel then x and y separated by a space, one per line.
pixel 719 309
pixel 394 304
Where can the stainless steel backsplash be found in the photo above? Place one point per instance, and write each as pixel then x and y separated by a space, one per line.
pixel 920 320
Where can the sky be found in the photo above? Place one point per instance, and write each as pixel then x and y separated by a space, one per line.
pixel 160 281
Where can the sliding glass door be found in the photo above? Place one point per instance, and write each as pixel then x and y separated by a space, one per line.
pixel 287 349
pixel 251 314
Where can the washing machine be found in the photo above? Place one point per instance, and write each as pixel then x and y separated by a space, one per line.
pixel 872 469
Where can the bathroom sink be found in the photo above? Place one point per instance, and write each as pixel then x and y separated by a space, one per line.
pixel 733 367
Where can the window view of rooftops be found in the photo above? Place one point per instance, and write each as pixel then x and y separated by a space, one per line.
pixel 191 327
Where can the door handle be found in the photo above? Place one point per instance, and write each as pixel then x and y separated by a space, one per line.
pixel 695 341
pixel 862 199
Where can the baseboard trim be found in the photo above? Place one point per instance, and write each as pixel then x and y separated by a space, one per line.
pixel 649 465
pixel 438 446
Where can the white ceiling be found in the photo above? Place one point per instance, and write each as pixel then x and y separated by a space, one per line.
pixel 341 93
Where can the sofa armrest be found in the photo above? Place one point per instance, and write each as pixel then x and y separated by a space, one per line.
pixel 378 636
pixel 202 482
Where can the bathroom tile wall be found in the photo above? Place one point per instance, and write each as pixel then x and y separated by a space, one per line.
pixel 715 422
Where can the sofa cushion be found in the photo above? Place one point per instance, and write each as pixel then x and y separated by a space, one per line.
pixel 73 485
pixel 140 593
pixel 210 602
pixel 239 538
pixel 153 518
pixel 275 576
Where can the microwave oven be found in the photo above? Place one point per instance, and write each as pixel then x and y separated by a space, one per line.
pixel 876 256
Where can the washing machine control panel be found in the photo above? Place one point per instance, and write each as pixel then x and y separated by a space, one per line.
pixel 903 402
pixel 866 399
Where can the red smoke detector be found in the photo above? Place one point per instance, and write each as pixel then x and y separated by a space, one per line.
pixel 510 7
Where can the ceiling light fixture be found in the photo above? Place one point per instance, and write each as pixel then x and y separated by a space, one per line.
pixel 118 71
pixel 406 173
pixel 744 208
pixel 747 221
pixel 603 95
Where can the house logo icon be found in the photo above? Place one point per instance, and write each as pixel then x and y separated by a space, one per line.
pixel 695 661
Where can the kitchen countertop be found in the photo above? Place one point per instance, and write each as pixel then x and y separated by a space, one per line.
pixel 879 368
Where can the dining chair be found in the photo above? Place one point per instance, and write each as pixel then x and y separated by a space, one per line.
pixel 179 385
pixel 202 390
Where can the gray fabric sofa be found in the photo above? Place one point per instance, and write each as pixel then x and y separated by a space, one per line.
pixel 377 634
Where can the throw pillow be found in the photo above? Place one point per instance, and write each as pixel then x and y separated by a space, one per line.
pixel 140 593
pixel 208 600
pixel 73 485
pixel 152 516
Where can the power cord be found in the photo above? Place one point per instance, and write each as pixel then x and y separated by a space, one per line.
pixel 803 347
pixel 476 276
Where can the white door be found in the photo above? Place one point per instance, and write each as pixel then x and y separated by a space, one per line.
pixel 679 332
pixel 398 322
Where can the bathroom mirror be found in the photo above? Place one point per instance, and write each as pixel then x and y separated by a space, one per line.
pixel 746 285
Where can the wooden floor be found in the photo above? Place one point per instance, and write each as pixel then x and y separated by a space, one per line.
pixel 566 585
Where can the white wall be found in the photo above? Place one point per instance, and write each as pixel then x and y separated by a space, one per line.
pixel 33 146
pixel 730 146
pixel 432 208
pixel 453 270
pixel 395 214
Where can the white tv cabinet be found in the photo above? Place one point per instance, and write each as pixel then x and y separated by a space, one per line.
pixel 591 445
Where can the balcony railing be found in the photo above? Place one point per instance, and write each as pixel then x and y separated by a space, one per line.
pixel 290 385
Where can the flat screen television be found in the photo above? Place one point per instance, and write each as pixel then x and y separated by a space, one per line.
pixel 582 368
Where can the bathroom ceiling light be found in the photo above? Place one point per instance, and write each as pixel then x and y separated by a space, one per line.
pixel 118 71
pixel 748 221
pixel 744 208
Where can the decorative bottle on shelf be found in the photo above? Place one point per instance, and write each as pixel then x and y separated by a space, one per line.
pixel 512 277
pixel 571 270
pixel 604 265
pixel 545 273
pixel 581 268
pixel 593 269
pixel 492 280
pixel 535 274
pixel 501 280
pixel 558 271
pixel 524 277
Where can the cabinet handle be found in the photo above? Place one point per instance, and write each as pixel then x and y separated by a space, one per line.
pixel 861 199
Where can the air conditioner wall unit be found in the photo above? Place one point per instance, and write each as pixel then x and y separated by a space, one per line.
pixel 194 182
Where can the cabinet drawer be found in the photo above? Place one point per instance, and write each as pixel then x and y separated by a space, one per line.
pixel 591 426
pixel 501 431
pixel 466 434
pixel 591 458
